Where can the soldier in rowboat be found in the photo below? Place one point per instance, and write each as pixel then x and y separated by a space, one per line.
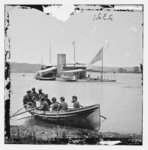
pixel 76 104
pixel 41 94
pixel 44 105
pixel 27 99
pixel 47 100
pixel 63 105
pixel 55 105
pixel 34 95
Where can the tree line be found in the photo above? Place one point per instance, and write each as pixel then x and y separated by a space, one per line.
pixel 135 69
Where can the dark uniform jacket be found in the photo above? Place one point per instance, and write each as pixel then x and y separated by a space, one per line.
pixel 48 101
pixel 40 96
pixel 56 106
pixel 76 104
pixel 34 95
pixel 63 106
pixel 27 98
pixel 44 106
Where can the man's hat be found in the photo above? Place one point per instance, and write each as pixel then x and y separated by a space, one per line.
pixel 33 88
pixel 46 95
pixel 75 97
pixel 28 91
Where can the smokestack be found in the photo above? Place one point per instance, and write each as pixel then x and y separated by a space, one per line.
pixel 61 62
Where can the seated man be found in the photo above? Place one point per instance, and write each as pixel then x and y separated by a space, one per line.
pixel 55 105
pixel 40 95
pixel 76 104
pixel 27 99
pixel 47 100
pixel 63 105
pixel 34 94
pixel 44 105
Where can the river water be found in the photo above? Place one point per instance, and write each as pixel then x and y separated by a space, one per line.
pixel 121 101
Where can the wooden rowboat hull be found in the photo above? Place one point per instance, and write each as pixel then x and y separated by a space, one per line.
pixel 86 117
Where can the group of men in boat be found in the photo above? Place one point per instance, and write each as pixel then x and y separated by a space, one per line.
pixel 41 101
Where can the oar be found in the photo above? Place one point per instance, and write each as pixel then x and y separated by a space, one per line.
pixel 21 113
pixel 18 114
pixel 103 117
pixel 17 111
pixel 29 116
pixel 24 117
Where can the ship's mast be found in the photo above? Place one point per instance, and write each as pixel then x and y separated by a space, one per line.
pixel 102 68
pixel 41 62
pixel 74 53
pixel 50 54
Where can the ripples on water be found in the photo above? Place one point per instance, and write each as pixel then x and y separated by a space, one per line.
pixel 121 102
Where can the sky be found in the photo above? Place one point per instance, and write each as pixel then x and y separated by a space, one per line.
pixel 32 32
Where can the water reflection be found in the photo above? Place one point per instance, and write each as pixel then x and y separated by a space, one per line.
pixel 34 122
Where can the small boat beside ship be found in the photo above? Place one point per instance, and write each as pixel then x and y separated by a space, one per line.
pixel 46 74
pixel 86 117
pixel 70 75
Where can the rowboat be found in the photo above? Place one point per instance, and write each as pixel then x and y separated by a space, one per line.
pixel 46 74
pixel 70 75
pixel 46 78
pixel 71 78
pixel 86 117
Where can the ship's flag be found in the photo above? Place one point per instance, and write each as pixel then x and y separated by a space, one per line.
pixel 98 57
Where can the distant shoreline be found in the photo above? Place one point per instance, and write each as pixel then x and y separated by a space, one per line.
pixel 32 68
